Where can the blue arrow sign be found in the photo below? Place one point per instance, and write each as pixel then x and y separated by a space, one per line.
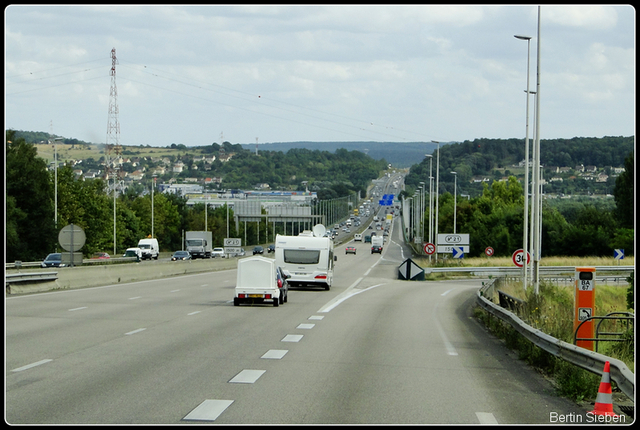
pixel 618 254
pixel 457 251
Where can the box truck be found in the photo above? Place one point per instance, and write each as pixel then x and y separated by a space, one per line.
pixel 199 243
pixel 258 280
pixel 306 260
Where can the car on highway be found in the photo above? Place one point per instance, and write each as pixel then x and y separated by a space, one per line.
pixel 180 255
pixel 258 250
pixel 271 248
pixel 350 250
pixel 217 252
pixel 376 248
pixel 53 260
pixel 100 255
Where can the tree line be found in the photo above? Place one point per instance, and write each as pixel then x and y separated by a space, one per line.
pixel 32 233
pixel 576 227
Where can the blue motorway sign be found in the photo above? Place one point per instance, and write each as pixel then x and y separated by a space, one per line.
pixel 618 254
pixel 457 252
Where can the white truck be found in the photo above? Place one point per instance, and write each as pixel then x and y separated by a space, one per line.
pixel 257 281
pixel 150 248
pixel 306 260
pixel 199 244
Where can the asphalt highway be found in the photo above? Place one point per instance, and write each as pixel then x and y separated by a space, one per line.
pixel 372 350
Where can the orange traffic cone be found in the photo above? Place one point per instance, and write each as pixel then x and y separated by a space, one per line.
pixel 604 404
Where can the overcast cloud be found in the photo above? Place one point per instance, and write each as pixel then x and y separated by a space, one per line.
pixel 196 74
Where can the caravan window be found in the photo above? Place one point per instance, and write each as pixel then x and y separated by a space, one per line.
pixel 301 256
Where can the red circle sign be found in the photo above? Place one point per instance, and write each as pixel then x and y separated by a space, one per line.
pixel 488 251
pixel 429 248
pixel 518 258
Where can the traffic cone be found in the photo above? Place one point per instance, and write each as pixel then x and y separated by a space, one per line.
pixel 604 404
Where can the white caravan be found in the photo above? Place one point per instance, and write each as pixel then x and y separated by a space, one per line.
pixel 257 281
pixel 306 260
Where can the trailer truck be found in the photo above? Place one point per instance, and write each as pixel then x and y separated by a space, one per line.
pixel 199 244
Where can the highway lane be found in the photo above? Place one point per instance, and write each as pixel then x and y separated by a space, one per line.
pixel 373 349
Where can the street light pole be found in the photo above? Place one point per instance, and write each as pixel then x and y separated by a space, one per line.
pixel 455 199
pixel 436 196
pixel 526 172
pixel 536 177
pixel 430 200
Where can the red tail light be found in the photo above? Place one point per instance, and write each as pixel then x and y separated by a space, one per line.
pixel 267 296
pixel 279 283
pixel 321 277
pixel 241 296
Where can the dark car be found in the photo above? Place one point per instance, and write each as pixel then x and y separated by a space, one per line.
pixel 376 248
pixel 283 285
pixel 258 250
pixel 180 255
pixel 271 248
pixel 53 260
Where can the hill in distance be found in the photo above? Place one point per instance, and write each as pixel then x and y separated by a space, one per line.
pixel 398 154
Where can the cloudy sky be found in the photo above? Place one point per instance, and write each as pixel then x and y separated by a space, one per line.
pixel 195 75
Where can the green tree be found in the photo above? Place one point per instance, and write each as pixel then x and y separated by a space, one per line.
pixel 623 194
pixel 30 226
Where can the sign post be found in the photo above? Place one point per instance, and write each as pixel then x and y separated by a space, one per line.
pixel 584 305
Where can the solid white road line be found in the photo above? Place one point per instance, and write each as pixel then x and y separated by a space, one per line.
pixel 29 366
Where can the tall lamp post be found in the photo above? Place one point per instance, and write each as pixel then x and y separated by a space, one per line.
pixel 455 199
pixel 430 199
pixel 422 187
pixel 537 219
pixel 436 196
pixel 526 172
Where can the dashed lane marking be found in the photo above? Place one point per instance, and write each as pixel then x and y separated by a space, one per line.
pixel 208 410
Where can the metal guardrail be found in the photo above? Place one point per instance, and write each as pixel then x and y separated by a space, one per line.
pixel 30 277
pixel 545 270
pixel 588 360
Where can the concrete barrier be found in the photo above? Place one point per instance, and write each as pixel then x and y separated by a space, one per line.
pixel 109 274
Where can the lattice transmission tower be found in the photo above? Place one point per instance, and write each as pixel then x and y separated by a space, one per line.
pixel 113 126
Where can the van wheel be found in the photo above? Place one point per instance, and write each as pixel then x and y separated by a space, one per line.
pixel 276 302
pixel 236 301
pixel 286 297
pixel 326 287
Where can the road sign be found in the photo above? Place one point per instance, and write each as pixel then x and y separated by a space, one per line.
pixel 457 252
pixel 584 305
pixel 518 258
pixel 429 248
pixel 448 249
pixel 410 271
pixel 488 251
pixel 232 241
pixel 618 254
pixel 232 250
pixel 453 239
pixel 71 238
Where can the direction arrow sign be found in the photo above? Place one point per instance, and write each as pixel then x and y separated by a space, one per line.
pixel 458 252
pixel 618 254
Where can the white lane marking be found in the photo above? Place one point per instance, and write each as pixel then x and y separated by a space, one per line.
pixel 316 317
pixel 29 366
pixel 292 338
pixel 447 292
pixel 275 354
pixel 135 331
pixel 344 296
pixel 77 309
pixel 247 376
pixel 135 298
pixel 174 291
pixel 306 326
pixel 193 313
pixel 486 418
pixel 208 410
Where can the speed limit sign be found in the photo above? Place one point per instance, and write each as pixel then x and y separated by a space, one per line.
pixel 518 258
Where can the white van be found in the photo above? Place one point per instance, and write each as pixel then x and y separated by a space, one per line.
pixel 258 280
pixel 357 237
pixel 150 248
pixel 306 260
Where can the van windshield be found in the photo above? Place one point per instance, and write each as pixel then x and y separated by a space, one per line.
pixel 144 246
pixel 301 256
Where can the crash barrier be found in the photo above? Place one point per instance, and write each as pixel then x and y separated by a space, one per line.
pixel 514 304
pixel 588 360
pixel 96 276
pixel 410 271
pixel 30 277
pixel 625 316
